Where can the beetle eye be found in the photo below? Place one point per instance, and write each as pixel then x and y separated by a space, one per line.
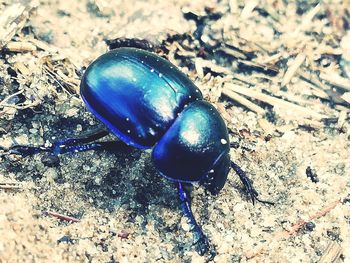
pixel 216 178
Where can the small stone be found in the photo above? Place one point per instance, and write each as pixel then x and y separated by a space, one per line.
pixel 310 226
pixel 123 234
pixel 185 226
pixel 65 239
pixel 22 139
pixel 72 112
pixel 33 131
pixel 5 142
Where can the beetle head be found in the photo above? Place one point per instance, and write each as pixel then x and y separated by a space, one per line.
pixel 216 178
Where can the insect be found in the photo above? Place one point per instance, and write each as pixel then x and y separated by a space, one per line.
pixel 148 103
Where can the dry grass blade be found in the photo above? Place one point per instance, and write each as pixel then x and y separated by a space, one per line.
pixel 315 90
pixel 307 19
pixel 3 102
pixel 336 80
pixel 298 61
pixel 69 88
pixel 288 106
pixel 248 9
pixel 311 78
pixel 23 69
pixel 21 46
pixel 346 97
pixel 265 67
pixel 243 101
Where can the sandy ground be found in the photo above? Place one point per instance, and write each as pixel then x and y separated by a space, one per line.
pixel 126 212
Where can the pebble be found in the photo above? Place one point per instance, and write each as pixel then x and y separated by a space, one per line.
pixel 22 139
pixel 6 142
pixel 72 112
pixel 185 226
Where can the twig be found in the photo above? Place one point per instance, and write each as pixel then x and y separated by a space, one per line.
pixel 233 52
pixel 62 217
pixel 224 113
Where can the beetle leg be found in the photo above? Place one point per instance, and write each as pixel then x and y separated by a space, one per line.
pixel 248 184
pixel 85 138
pixel 62 148
pixel 70 145
pixel 200 239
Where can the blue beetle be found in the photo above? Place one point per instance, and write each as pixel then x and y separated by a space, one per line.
pixel 148 103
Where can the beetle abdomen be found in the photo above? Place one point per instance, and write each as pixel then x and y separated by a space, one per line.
pixel 193 145
pixel 137 94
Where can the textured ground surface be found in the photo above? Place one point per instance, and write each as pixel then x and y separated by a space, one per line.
pixel 293 53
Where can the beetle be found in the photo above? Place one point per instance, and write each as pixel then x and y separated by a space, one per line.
pixel 148 103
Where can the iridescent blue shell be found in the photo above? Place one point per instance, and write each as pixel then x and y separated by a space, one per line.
pixel 136 94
